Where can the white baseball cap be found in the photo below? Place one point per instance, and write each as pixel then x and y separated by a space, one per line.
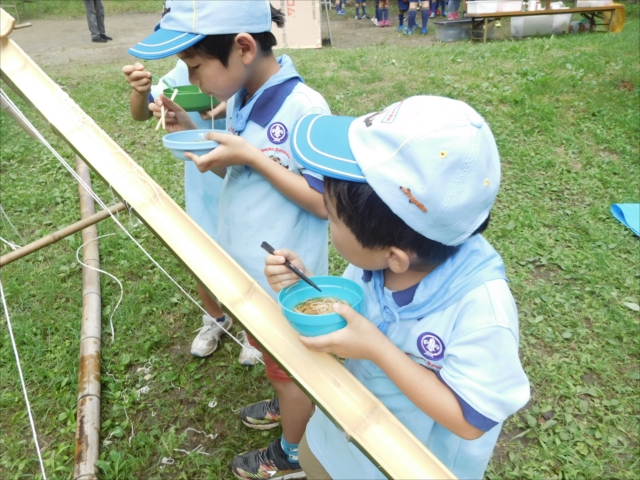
pixel 186 22
pixel 432 160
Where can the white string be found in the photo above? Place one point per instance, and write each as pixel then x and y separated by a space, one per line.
pixel 13 246
pixel 109 275
pixel 7 216
pixel 79 179
pixel 24 387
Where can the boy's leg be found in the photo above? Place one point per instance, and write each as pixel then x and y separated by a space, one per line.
pixel 310 464
pixel 413 6
pixel 215 324
pixel 425 19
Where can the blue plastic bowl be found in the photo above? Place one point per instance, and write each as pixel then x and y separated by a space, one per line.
pixel 190 141
pixel 314 325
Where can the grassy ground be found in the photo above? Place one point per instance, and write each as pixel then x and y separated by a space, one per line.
pixel 565 114
pixel 32 9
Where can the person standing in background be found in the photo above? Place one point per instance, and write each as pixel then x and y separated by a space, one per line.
pixel 95 19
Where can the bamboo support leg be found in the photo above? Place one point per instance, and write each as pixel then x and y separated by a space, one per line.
pixel 88 421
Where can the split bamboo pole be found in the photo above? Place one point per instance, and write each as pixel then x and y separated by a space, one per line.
pixel 60 234
pixel 87 449
pixel 365 420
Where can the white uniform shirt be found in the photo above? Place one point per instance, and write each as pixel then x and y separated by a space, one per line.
pixel 471 344
pixel 201 190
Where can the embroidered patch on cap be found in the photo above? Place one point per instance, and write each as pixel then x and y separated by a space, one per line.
pixel 430 346
pixel 277 133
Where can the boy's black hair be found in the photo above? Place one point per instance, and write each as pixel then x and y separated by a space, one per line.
pixel 375 226
pixel 219 46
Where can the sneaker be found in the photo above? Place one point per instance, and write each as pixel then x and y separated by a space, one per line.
pixel 208 335
pixel 424 31
pixel 358 17
pixel 99 40
pixel 106 37
pixel 366 17
pixel 249 355
pixel 432 15
pixel 438 13
pixel 270 462
pixel 341 12
pixel 409 31
pixel 263 415
pixel 456 16
pixel 375 21
pixel 402 29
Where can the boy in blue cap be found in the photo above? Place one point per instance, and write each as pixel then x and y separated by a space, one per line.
pixel 408 191
pixel 266 195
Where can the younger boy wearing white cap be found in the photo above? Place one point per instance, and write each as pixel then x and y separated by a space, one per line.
pixel 266 194
pixel 408 191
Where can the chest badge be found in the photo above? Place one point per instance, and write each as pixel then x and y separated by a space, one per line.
pixel 277 133
pixel 431 346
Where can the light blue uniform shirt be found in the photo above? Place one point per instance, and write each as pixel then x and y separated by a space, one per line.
pixel 201 190
pixel 461 322
pixel 251 209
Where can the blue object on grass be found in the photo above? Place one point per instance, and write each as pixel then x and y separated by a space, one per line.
pixel 190 141
pixel 628 214
pixel 314 325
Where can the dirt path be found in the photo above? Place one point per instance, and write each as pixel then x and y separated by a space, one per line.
pixel 58 43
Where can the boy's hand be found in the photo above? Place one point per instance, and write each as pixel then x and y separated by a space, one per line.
pixel 233 150
pixel 175 117
pixel 360 339
pixel 218 112
pixel 138 78
pixel 277 274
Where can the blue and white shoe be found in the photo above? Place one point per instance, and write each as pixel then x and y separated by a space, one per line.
pixel 402 29
pixel 341 12
pixel 424 31
pixel 409 31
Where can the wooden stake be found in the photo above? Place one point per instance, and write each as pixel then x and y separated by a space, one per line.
pixel 87 449
pixel 60 234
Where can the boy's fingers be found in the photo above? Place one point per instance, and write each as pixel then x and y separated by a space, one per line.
pixel 345 311
pixel 317 344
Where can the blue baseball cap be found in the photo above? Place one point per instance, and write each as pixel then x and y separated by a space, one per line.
pixel 186 22
pixel 432 160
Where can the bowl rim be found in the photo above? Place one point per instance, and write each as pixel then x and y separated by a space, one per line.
pixel 318 281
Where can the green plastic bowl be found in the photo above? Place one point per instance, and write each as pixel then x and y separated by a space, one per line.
pixel 191 98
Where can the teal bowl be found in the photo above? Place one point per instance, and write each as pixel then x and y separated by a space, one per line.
pixel 314 325
pixel 190 141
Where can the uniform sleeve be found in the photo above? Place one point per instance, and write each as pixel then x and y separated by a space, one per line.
pixel 175 78
pixel 483 370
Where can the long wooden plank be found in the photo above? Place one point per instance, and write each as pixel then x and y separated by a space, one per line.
pixel 362 416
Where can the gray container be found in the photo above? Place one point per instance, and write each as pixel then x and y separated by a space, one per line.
pixel 453 30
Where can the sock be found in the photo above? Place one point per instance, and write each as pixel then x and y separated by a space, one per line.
pixel 401 19
pixel 290 449
pixel 377 13
pixel 425 18
pixel 364 10
pixel 221 319
pixel 412 19
pixel 357 11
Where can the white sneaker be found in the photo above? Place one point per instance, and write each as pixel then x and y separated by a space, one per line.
pixel 249 355
pixel 208 336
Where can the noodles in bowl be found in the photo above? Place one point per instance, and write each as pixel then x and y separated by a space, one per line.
pixel 318 306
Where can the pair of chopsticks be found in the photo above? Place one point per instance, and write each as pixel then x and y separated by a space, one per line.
pixel 161 121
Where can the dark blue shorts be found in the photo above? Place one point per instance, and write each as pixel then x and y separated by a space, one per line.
pixel 402 5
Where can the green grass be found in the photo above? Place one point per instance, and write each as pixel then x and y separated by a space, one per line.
pixel 52 9
pixel 565 114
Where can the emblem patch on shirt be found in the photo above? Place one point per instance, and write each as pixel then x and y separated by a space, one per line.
pixel 277 133
pixel 431 346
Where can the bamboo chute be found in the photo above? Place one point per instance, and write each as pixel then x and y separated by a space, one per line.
pixel 367 422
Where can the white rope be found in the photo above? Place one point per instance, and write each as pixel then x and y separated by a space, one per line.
pixel 7 216
pixel 113 334
pixel 75 175
pixel 13 246
pixel 24 387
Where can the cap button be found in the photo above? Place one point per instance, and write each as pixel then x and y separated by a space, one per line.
pixel 475 119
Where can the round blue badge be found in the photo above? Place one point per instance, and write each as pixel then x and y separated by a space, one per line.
pixel 431 346
pixel 277 133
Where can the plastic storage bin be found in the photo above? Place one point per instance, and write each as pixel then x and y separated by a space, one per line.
pixel 593 3
pixel 508 5
pixel 540 25
pixel 482 6
pixel 453 30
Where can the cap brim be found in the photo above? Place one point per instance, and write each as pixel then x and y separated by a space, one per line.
pixel 164 43
pixel 321 144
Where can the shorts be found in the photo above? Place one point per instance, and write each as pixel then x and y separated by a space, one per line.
pixel 309 463
pixel 403 6
pixel 273 370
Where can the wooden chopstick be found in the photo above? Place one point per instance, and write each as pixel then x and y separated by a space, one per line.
pixel 162 111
